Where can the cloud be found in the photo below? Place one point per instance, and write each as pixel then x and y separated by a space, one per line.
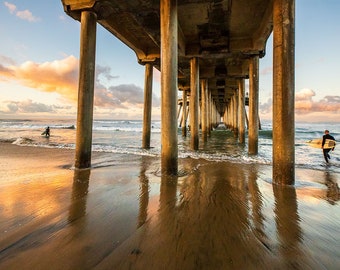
pixel 122 96
pixel 26 15
pixel 304 104
pixel 104 72
pixel 61 77
pixel 304 101
pixel 266 107
pixel 266 71
pixel 22 14
pixel 62 17
pixel 26 106
pixel 304 94
pixel 157 75
pixel 5 73
pixel 11 7
pixel 6 60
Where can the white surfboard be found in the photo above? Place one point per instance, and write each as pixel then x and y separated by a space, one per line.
pixel 316 143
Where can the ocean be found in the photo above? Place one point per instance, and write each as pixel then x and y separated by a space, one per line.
pixel 125 137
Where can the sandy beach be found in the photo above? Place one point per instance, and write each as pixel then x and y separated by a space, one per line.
pixel 125 215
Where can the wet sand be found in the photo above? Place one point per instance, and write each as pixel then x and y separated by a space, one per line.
pixel 123 214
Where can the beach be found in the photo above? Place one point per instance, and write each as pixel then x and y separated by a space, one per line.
pixel 126 215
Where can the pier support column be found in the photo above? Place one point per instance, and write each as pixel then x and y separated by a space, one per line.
pixel 235 112
pixel 241 111
pixel 283 92
pixel 209 113
pixel 87 64
pixel 227 116
pixel 230 115
pixel 204 99
pixel 213 115
pixel 147 106
pixel 194 103
pixel 180 105
pixel 169 152
pixel 184 126
pixel 253 133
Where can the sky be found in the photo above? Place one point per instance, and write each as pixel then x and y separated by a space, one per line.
pixel 39 53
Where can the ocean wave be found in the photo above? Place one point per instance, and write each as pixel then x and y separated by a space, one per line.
pixel 67 127
pixel 155 152
pixel 18 126
pixel 124 129
pixel 218 157
pixel 23 141
pixel 268 134
pixel 11 140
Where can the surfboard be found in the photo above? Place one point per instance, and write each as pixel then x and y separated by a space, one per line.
pixel 316 143
pixel 43 133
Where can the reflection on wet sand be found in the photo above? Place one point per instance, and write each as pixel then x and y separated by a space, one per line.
pixel 203 225
pixel 287 226
pixel 79 194
pixel 213 218
pixel 255 199
pixel 333 191
pixel 144 191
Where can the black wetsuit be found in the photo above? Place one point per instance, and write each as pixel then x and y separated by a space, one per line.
pixel 326 151
pixel 47 132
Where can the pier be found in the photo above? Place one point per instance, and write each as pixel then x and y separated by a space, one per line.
pixel 206 49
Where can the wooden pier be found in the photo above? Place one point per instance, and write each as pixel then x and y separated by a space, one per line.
pixel 207 49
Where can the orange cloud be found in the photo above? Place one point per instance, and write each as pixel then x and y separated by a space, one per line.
pixel 307 108
pixel 60 76
pixel 304 94
pixel 304 103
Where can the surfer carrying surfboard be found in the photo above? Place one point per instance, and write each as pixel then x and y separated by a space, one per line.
pixel 326 151
pixel 46 132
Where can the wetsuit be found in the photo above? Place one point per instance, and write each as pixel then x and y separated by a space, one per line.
pixel 47 132
pixel 326 151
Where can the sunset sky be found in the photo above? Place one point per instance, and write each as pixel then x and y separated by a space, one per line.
pixel 39 53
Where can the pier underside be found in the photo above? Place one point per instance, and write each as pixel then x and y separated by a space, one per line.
pixel 224 35
pixel 206 49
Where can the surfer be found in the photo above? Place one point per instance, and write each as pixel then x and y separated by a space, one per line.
pixel 46 132
pixel 326 151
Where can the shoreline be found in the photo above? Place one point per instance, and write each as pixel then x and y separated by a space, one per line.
pixel 121 214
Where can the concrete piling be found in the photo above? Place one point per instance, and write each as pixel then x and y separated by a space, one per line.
pixel 241 111
pixel 194 103
pixel 86 90
pixel 253 135
pixel 283 92
pixel 147 106
pixel 204 101
pixel 169 151
pixel 235 113
pixel 184 115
